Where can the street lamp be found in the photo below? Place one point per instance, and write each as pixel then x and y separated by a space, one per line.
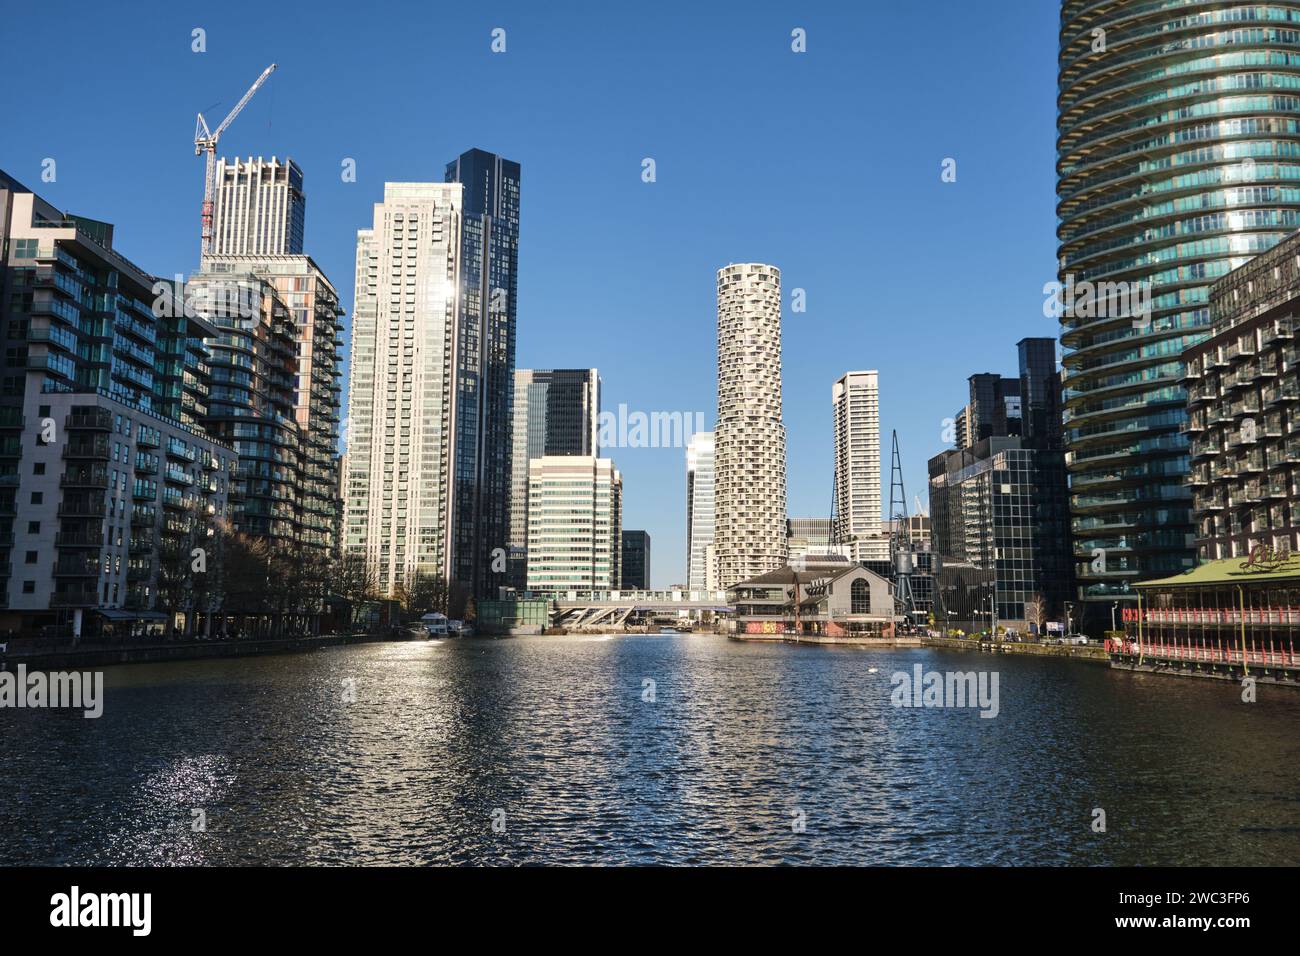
pixel 1113 625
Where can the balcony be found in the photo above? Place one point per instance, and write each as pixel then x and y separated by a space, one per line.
pixel 78 539
pixel 148 437
pixel 77 566
pixel 95 419
pixel 75 597
pixel 83 509
pixel 84 478
pixel 80 447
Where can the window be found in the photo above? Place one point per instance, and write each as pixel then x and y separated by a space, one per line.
pixel 30 558
pixel 860 597
pixel 38 468
pixel 29 587
pixel 38 497
pixel 33 527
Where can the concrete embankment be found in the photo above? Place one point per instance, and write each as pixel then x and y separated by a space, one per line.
pixel 1093 653
pixel 102 655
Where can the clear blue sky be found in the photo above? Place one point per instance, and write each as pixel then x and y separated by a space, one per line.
pixel 826 164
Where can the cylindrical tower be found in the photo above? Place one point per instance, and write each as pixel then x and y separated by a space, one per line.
pixel 1178 159
pixel 749 455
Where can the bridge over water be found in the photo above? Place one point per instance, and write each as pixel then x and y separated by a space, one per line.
pixel 614 608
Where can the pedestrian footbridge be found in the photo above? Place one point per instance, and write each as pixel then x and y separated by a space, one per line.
pixel 572 609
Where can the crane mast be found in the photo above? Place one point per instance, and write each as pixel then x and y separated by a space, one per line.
pixel 205 141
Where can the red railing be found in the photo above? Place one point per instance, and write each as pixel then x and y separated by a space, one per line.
pixel 1214 615
pixel 1208 655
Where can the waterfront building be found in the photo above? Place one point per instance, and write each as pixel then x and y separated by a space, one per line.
pixel 982 512
pixel 750 476
pixel 556 412
pixel 1243 410
pixel 1232 617
pixel 855 400
pixel 259 208
pixel 635 572
pixel 700 568
pixel 828 598
pixel 483 345
pixel 575 523
pixel 1178 134
pixel 106 483
pixel 402 372
pixel 298 290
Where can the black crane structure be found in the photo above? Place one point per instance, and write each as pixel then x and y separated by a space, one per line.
pixel 901 558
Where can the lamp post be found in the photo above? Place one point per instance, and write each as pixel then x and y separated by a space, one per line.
pixel 1113 608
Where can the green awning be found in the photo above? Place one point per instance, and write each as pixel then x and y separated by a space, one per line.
pixel 1257 569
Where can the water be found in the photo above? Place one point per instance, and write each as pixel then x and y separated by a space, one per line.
pixel 552 736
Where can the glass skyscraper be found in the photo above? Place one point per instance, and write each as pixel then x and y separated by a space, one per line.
pixel 484 346
pixel 1178 159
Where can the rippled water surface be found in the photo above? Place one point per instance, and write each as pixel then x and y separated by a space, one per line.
pixel 740 743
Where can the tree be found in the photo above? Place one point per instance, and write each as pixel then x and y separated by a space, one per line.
pixel 1036 610
pixel 424 593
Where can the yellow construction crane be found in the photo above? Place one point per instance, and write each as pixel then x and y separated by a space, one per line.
pixel 206 141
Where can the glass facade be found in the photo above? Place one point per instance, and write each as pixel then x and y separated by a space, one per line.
pixel 485 366
pixel 1178 159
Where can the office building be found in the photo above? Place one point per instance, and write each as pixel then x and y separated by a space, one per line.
pixel 556 412
pixel 855 400
pixel 807 536
pixel 1178 132
pixel 259 208
pixel 993 409
pixel 575 524
pixel 635 575
pixel 1243 401
pixel 700 570
pixel 750 479
pixel 982 513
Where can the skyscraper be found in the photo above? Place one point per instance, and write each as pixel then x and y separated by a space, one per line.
pixel 483 385
pixel 556 412
pixel 856 403
pixel 750 489
pixel 428 485
pixel 1178 130
pixel 401 414
pixel 700 512
pixel 259 208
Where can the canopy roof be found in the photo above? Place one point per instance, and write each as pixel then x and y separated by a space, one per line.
pixel 1262 567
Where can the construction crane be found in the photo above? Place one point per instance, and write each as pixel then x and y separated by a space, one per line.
pixel 206 141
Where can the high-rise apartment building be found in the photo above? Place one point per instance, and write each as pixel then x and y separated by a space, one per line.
pixel 750 486
pixel 402 421
pixel 556 412
pixel 1243 404
pixel 808 537
pixel 298 303
pixel 259 208
pixel 483 383
pixel 992 411
pixel 1178 132
pixel 428 486
pixel 700 570
pixel 106 483
pixel 635 574
pixel 575 524
pixel 855 401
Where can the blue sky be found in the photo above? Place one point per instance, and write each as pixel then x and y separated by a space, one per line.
pixel 826 164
